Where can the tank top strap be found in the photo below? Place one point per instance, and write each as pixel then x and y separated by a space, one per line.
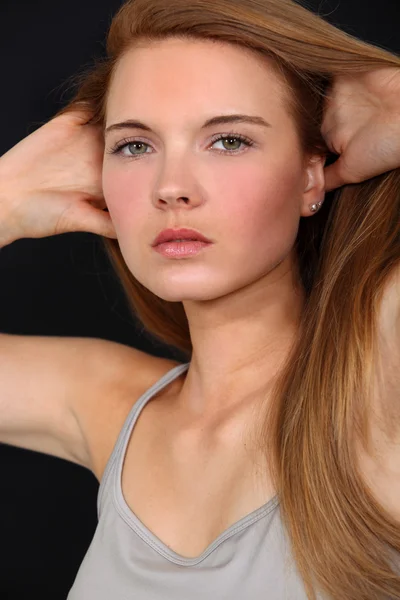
pixel 118 453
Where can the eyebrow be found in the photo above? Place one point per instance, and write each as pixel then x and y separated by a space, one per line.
pixel 219 120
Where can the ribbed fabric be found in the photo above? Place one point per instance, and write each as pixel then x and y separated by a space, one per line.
pixel 251 560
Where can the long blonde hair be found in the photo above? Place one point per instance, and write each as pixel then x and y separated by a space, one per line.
pixel 343 540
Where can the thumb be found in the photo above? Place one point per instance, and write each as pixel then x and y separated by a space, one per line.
pixel 95 220
pixel 334 175
pixel 109 229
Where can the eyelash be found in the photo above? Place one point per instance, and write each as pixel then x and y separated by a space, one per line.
pixel 117 149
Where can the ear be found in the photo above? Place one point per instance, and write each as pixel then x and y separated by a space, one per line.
pixel 314 184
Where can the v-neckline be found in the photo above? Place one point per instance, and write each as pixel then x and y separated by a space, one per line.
pixel 139 527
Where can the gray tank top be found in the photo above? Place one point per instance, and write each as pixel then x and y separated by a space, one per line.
pixel 126 561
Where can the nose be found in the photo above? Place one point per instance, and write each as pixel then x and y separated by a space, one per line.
pixel 171 201
pixel 177 186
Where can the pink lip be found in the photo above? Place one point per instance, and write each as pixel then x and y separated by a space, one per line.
pixel 168 235
pixel 184 249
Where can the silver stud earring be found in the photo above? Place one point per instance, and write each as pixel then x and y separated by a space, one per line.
pixel 315 207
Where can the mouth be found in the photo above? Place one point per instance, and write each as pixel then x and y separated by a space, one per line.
pixel 185 248
pixel 180 235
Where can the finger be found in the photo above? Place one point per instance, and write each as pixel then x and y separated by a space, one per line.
pixel 334 176
pixel 83 217
pixel 109 229
pixel 77 116
pixel 340 173
pixel 100 223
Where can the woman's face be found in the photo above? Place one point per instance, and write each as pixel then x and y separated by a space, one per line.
pixel 247 199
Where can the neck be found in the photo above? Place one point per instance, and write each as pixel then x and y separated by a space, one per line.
pixel 239 343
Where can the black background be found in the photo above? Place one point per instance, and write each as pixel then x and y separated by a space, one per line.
pixel 64 285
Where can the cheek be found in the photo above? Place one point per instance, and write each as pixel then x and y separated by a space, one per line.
pixel 255 203
pixel 264 205
pixel 120 189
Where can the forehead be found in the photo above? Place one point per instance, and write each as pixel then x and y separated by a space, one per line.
pixel 195 75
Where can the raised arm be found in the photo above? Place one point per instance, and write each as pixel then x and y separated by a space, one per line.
pixel 50 183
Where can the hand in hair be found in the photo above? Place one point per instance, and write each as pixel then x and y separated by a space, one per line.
pixel 51 182
pixel 362 124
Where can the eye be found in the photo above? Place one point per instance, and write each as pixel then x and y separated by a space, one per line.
pixel 235 138
pixel 229 137
pixel 117 149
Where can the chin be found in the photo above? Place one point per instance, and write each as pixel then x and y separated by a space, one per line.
pixel 176 296
pixel 174 292
pixel 190 292
pixel 190 287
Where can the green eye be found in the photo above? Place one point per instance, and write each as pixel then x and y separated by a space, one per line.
pixel 142 144
pixel 232 138
pixel 229 139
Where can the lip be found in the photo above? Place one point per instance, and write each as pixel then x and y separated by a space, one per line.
pixel 168 235
pixel 178 250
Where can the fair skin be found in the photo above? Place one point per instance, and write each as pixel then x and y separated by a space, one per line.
pixel 186 488
pixel 243 199
pixel 193 449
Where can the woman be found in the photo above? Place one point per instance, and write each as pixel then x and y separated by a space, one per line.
pixel 277 439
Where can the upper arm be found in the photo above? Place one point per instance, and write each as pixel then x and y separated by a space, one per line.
pixel 49 385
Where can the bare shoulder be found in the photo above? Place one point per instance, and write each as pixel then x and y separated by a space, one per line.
pixel 120 374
